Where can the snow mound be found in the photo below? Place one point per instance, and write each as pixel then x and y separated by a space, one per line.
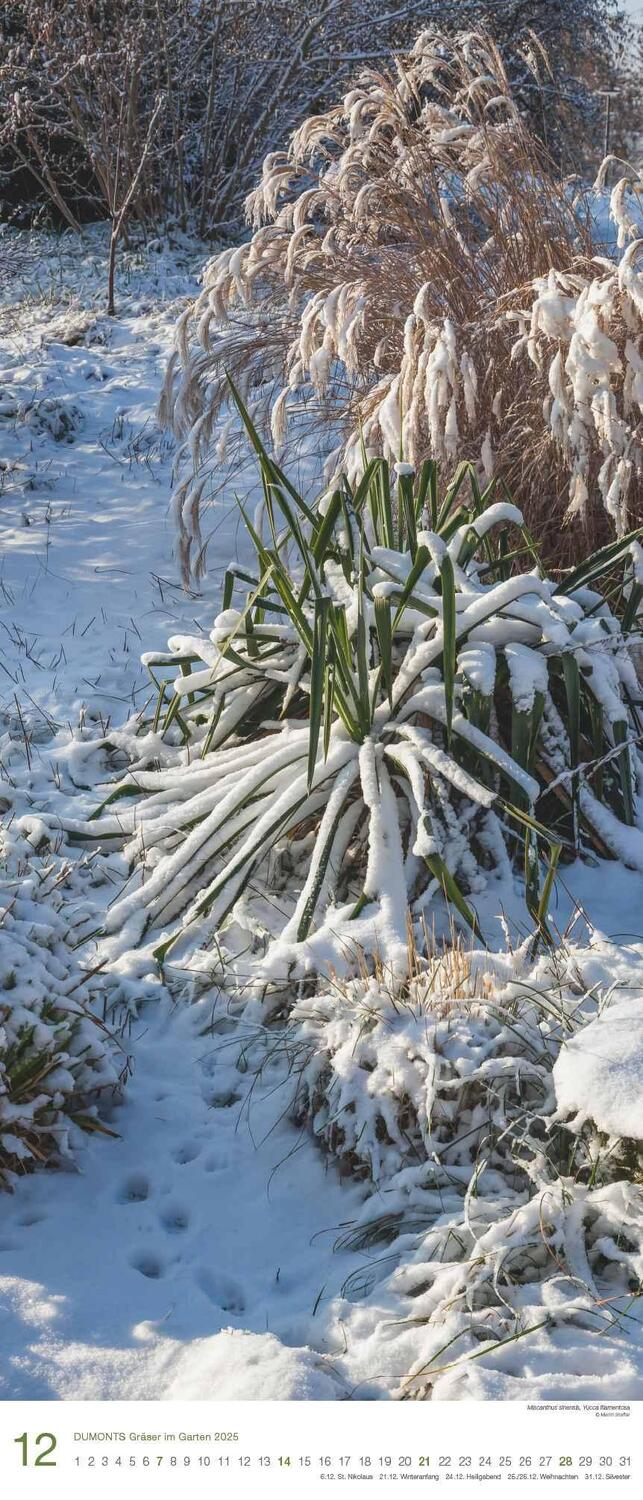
pixel 238 1366
pixel 599 1073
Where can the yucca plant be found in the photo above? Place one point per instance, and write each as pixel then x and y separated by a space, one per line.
pixel 397 700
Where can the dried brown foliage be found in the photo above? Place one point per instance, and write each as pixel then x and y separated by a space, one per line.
pixel 421 281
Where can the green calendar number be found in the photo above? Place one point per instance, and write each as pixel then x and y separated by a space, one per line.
pixel 41 1459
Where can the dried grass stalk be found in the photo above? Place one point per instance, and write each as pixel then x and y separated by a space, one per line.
pixel 421 281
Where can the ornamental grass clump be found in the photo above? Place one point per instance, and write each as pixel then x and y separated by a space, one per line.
pixel 62 1063
pixel 395 706
pixel 421 278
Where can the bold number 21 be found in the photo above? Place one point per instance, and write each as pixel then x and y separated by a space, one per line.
pixel 42 1460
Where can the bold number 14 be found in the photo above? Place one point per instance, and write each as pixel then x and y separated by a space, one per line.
pixel 41 1460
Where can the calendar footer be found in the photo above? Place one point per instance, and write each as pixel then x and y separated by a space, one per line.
pixel 229 1449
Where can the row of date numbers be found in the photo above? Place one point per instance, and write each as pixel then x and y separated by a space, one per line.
pixel 364 1461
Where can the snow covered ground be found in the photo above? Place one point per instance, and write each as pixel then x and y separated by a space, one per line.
pixel 207 1251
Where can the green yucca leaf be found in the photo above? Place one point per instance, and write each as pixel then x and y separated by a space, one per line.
pixel 363 489
pixel 349 562
pixel 174 713
pixel 323 856
pixel 520 736
pixel 317 682
pixel 385 643
pixel 236 873
pixel 406 510
pixel 126 789
pixel 277 476
pixel 361 647
pixel 537 900
pixel 329 697
pixel 413 601
pixel 532 549
pixel 273 568
pixel 536 718
pixel 342 638
pixel 632 607
pixel 266 559
pixel 469 547
pixel 599 562
pixel 386 506
pixel 374 505
pixel 326 528
pixel 243 575
pixel 427 491
pixel 598 741
pixel 449 632
pixel 453 522
pixel 463 472
pixel 421 561
pixel 344 690
pixel 531 874
pixel 625 770
pixel 571 676
pixel 476 492
pixel 527 820
pixel 452 893
pixel 228 588
pixel 160 704
pixel 500 564
pixel 548 886
pixel 215 716
pixel 296 532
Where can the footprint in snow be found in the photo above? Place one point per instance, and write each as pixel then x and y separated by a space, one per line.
pixel 175 1219
pixel 221 1290
pixel 148 1264
pixel 217 1162
pixel 222 1100
pixel 186 1153
pixel 134 1189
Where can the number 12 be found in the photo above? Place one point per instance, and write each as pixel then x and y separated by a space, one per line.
pixel 42 1460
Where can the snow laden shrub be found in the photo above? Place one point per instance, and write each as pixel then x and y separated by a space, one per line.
pixel 488 1214
pixel 420 275
pixel 500 1056
pixel 492 1217
pixel 60 1057
pixel 388 712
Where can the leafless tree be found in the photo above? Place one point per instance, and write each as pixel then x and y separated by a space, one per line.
pixel 80 81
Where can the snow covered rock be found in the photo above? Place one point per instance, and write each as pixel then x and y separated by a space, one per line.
pixel 599 1073
pixel 239 1366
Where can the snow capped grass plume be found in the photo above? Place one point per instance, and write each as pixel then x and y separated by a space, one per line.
pixel 423 281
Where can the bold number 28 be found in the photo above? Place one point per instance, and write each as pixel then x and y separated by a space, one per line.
pixel 42 1460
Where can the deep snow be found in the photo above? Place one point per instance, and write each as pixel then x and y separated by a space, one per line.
pixel 194 1256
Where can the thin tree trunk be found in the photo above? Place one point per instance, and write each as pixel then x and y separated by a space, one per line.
pixel 111 269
